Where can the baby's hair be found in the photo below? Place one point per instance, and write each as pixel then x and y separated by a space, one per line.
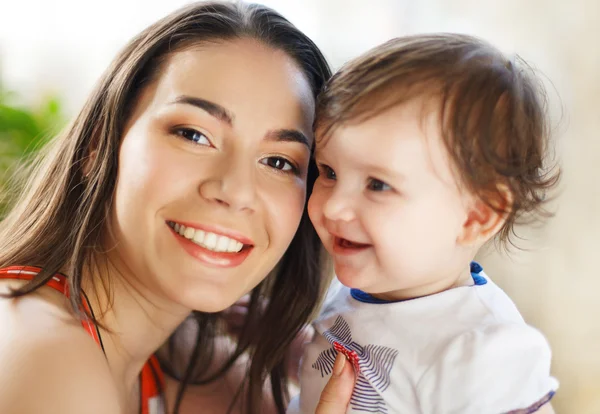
pixel 492 113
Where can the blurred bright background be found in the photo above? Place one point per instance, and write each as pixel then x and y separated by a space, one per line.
pixel 52 52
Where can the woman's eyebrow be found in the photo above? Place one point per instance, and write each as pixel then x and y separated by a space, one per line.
pixel 289 135
pixel 213 109
pixel 223 115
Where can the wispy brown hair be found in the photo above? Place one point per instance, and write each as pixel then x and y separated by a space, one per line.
pixel 492 112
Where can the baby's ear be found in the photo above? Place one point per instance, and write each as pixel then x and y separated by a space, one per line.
pixel 485 219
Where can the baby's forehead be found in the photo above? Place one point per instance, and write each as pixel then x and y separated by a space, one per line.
pixel 404 139
pixel 418 116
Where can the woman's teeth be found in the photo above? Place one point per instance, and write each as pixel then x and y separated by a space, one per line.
pixel 208 240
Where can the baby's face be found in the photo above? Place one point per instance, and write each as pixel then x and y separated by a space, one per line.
pixel 386 204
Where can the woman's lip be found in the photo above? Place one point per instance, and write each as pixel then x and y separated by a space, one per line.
pixel 209 257
pixel 232 234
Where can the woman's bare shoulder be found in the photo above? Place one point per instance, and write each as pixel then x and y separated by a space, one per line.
pixel 49 362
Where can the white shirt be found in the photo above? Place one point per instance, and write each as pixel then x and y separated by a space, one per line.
pixel 466 350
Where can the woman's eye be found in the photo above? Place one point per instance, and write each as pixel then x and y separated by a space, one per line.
pixel 279 163
pixel 192 135
pixel 327 172
pixel 377 185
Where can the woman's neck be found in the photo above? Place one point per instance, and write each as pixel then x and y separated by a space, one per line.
pixel 135 322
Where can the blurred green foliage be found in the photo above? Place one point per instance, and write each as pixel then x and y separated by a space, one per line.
pixel 23 131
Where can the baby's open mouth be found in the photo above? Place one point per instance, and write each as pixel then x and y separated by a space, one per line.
pixel 348 244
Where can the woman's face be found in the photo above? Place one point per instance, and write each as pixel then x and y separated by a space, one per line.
pixel 212 174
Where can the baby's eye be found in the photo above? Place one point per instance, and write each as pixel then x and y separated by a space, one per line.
pixel 327 172
pixel 377 185
pixel 193 135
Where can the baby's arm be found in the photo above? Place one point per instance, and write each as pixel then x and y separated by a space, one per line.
pixel 502 368
pixel 306 335
pixel 235 318
pixel 294 354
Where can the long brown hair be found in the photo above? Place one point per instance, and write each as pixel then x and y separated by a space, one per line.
pixel 492 113
pixel 59 219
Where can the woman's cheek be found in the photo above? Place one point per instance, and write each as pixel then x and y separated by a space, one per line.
pixel 284 208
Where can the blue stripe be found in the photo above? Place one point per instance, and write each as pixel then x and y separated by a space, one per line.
pixel 536 406
pixel 365 297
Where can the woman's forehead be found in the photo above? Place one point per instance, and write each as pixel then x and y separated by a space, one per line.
pixel 244 83
pixel 235 67
pixel 232 72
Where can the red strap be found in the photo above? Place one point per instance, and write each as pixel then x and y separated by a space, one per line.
pixel 152 383
pixel 59 283
pixel 151 377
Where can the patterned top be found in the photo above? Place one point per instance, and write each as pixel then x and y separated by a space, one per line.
pixel 465 350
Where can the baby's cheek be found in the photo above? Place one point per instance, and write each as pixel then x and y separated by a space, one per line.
pixel 402 237
pixel 315 206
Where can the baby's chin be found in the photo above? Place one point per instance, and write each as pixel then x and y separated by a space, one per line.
pixel 354 279
pixel 368 285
